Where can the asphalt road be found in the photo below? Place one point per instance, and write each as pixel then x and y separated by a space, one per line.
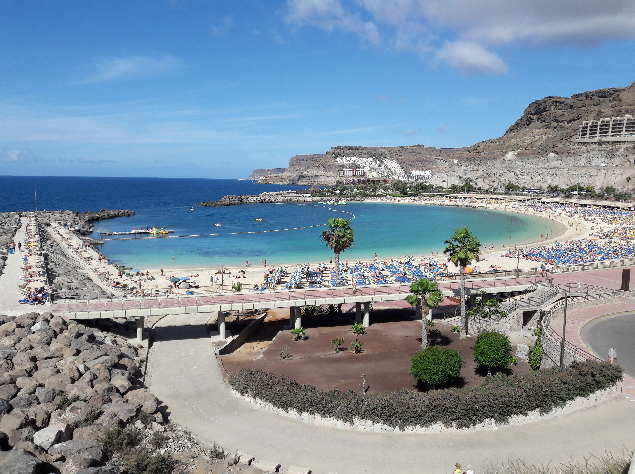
pixel 616 331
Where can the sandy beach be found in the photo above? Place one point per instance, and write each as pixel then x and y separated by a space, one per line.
pixel 205 280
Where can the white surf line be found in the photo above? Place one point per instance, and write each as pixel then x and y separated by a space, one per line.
pixel 236 233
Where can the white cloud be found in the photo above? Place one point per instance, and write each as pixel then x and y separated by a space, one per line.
pixel 451 29
pixel 330 15
pixel 133 66
pixel 411 132
pixel 470 59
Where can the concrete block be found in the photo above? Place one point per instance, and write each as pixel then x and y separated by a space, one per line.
pixel 267 466
pixel 107 314
pixel 119 314
pixel 205 309
pixel 298 470
pixel 155 312
pixel 238 306
pixel 191 309
pixel 144 312
pixel 178 310
pixel 243 458
pixel 93 315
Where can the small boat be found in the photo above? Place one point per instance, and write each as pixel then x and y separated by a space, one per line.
pixel 258 219
pixel 191 208
pixel 218 224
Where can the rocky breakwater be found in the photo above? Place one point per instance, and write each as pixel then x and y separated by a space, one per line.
pixel 8 227
pixel 81 223
pixel 63 386
pixel 263 198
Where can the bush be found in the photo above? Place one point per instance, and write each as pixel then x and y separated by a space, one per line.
pixel 493 350
pixel 336 343
pixel 298 333
pixel 435 365
pixel 536 352
pixel 358 329
pixel 144 462
pixel 498 398
pixel 117 439
pixel 356 346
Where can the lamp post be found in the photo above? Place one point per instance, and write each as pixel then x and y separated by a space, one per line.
pixel 564 328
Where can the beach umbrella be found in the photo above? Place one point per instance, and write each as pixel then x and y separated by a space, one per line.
pixel 174 279
pixel 135 270
pixel 185 278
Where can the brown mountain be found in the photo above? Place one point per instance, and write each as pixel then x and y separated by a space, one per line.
pixel 538 150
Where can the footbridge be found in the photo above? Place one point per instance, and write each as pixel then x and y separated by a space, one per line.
pixel 362 297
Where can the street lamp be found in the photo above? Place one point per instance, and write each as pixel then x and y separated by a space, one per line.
pixel 564 328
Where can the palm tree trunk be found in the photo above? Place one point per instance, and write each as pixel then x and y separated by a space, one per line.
pixel 424 330
pixel 337 269
pixel 463 312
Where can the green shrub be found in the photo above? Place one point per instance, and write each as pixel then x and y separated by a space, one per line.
pixel 499 398
pixel 117 439
pixel 64 401
pixel 356 346
pixel 336 343
pixel 143 461
pixel 298 333
pixel 435 365
pixel 536 352
pixel 237 287
pixel 358 329
pixel 493 350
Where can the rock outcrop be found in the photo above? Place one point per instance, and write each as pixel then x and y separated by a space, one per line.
pixel 538 150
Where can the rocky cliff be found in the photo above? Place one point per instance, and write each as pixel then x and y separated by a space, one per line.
pixel 538 150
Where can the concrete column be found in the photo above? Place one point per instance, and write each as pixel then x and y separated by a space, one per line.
pixel 140 328
pixel 221 325
pixel 366 313
pixel 358 312
pixel 292 317
pixel 298 317
pixel 418 311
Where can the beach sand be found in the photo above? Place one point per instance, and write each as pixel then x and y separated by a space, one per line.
pixel 154 281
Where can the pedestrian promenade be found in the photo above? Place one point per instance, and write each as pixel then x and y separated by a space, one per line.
pixel 10 278
pixel 184 374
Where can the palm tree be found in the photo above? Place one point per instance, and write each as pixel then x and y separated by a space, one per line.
pixel 338 238
pixel 424 295
pixel 462 248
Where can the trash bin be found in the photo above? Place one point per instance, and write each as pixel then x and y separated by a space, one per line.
pixel 11 251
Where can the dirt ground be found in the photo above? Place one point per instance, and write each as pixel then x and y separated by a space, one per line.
pixel 388 347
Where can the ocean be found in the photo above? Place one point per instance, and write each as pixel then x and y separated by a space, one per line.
pixel 287 233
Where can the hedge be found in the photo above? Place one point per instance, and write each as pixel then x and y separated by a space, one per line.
pixel 499 397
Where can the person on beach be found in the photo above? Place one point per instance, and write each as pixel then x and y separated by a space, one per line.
pixel 246 263
pixel 457 469
pixel 19 245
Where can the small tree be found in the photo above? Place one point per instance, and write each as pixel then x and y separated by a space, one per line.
pixel 337 342
pixel 338 238
pixel 492 350
pixel 424 295
pixel 436 365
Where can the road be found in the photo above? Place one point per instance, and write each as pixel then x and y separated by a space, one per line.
pixel 616 331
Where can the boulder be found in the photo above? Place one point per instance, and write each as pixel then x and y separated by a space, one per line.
pixel 40 414
pixel 12 421
pixel 4 442
pixel 106 361
pixel 83 449
pixel 124 411
pixel 7 329
pixel 41 325
pixel 5 407
pixel 121 383
pixel 27 384
pixel 8 391
pixel 24 401
pixel 7 352
pixel 93 432
pixel 6 365
pixel 58 382
pixel 52 434
pixel 46 395
pixel 522 352
pixel 144 399
pixel 100 470
pixel 19 461
pixel 23 358
pixel 42 375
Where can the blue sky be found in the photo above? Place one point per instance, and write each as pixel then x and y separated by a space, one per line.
pixel 214 89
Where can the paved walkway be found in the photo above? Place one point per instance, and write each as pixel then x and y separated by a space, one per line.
pixel 184 374
pixel 10 278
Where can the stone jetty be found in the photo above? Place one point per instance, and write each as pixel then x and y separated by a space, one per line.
pixel 8 227
pixel 263 198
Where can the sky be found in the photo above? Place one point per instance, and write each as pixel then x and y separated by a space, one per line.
pixel 217 88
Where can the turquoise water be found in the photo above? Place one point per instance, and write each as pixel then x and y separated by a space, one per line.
pixel 390 230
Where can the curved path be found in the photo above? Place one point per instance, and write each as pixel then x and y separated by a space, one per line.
pixel 184 374
pixel 617 331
